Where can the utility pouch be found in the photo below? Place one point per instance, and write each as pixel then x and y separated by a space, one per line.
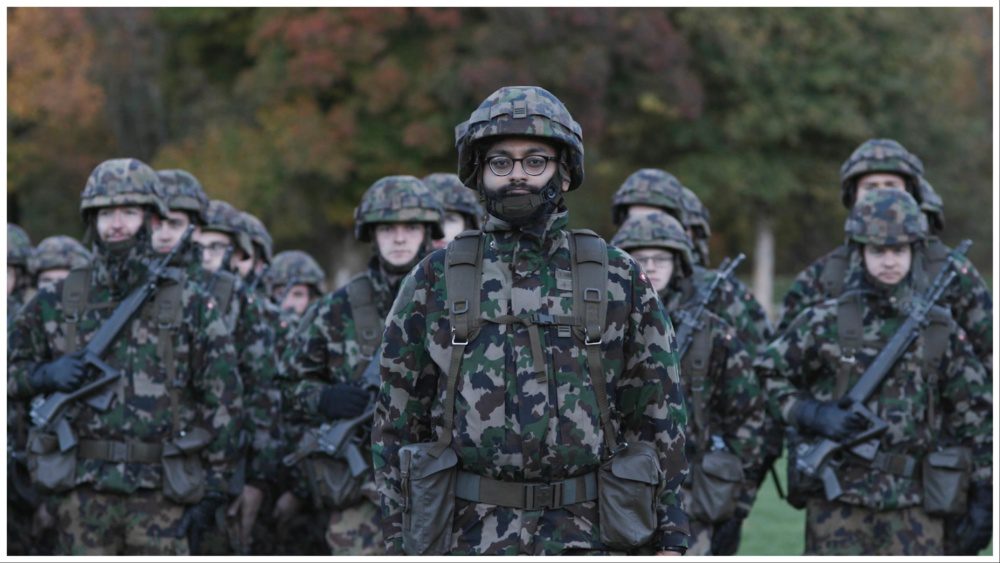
pixel 946 480
pixel 330 481
pixel 626 491
pixel 183 473
pixel 52 469
pixel 428 498
pixel 715 484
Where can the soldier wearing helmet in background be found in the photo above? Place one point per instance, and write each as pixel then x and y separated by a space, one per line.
pixel 523 359
pixel 935 399
pixel 886 164
pixel 328 355
pixel 462 210
pixel 296 281
pixel 177 384
pixel 54 257
pixel 18 281
pixel 723 398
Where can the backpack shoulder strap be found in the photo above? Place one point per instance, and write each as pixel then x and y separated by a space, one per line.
pixel 849 334
pixel 75 291
pixel 696 360
pixel 935 258
pixel 936 334
pixel 834 271
pixel 367 324
pixel 222 287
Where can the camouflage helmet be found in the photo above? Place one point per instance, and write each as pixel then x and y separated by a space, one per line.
pixel 397 199
pixel 18 246
pixel 932 205
pixel 225 218
pixel 886 217
pixel 656 230
pixel 696 215
pixel 454 197
pixel 297 266
pixel 122 181
pixel 61 252
pixel 648 186
pixel 255 229
pixel 183 192
pixel 875 156
pixel 525 111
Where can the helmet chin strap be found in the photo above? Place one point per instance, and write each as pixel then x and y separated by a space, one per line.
pixel 522 209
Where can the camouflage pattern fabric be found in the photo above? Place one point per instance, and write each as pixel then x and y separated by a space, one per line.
pixel 455 197
pixel 656 230
pixel 225 218
pixel 255 229
pixel 183 192
pixel 879 156
pixel 18 254
pixel 356 530
pixel 122 181
pixel 804 360
pixel 397 199
pixel 648 186
pixel 100 524
pixel 835 528
pixel 932 206
pixel 510 424
pixel 58 252
pixel 527 111
pixel 886 217
pixel 296 265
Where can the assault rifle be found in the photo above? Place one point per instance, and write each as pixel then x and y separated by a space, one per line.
pixel 690 316
pixel 814 458
pixel 97 393
pixel 343 438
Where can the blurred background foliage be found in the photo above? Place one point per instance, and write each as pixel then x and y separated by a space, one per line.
pixel 292 113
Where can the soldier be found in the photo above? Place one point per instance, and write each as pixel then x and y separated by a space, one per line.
pixel 18 281
pixel 296 281
pixel 525 363
pixel 263 254
pixel 54 257
pixel 719 383
pixel 886 164
pixel 462 210
pixel 177 387
pixel 400 217
pixel 936 399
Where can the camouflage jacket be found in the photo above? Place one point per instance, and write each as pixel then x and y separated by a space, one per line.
pixel 734 404
pixel 968 298
pixel 735 304
pixel 509 424
pixel 211 396
pixel 804 360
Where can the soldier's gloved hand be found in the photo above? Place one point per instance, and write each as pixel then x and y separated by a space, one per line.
pixel 726 536
pixel 828 418
pixel 975 527
pixel 342 400
pixel 197 518
pixel 64 374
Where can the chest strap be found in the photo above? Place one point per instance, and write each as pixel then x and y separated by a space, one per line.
pixel 368 325
pixel 696 360
pixel 75 292
pixel 834 271
pixel 850 335
pixel 131 451
pixel 526 496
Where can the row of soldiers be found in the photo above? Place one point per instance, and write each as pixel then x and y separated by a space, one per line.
pixel 493 382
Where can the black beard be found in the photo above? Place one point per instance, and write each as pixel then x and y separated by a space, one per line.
pixel 524 209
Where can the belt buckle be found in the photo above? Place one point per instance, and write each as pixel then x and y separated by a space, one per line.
pixel 118 452
pixel 539 495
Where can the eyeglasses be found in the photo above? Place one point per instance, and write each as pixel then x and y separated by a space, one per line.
pixel 532 165
pixel 658 260
pixel 216 247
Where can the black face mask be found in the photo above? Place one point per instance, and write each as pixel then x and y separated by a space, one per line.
pixel 523 209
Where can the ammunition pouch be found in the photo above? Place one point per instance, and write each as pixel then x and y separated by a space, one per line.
pixel 716 482
pixel 946 481
pixel 428 487
pixel 52 469
pixel 331 483
pixel 800 486
pixel 626 488
pixel 183 473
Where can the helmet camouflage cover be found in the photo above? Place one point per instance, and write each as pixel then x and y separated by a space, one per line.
pixel 932 205
pixel 122 181
pixel 648 186
pixel 656 230
pixel 879 156
pixel 18 246
pixel 61 252
pixel 296 265
pixel 696 215
pixel 225 218
pixel 397 199
pixel 886 217
pixel 255 229
pixel 183 192
pixel 523 111
pixel 454 197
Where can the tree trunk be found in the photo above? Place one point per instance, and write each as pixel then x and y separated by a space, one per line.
pixel 763 265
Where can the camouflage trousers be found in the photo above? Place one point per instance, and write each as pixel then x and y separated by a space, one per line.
pixel 356 530
pixel 834 528
pixel 94 523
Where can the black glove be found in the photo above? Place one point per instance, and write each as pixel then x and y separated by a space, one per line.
pixel 342 400
pixel 828 418
pixel 64 374
pixel 973 529
pixel 197 519
pixel 726 536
